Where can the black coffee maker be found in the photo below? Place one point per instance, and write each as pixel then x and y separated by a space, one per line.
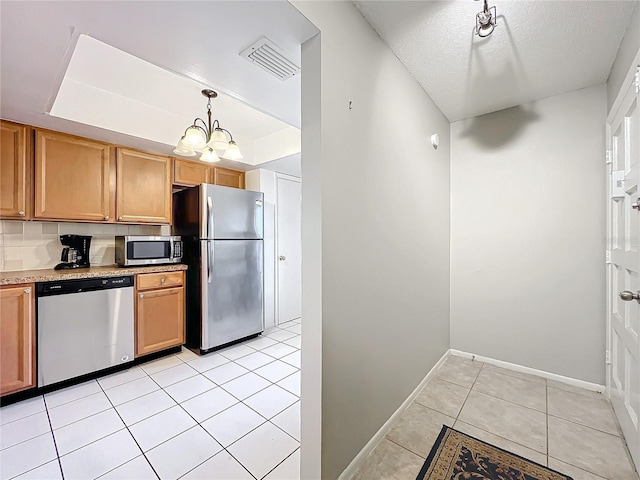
pixel 75 254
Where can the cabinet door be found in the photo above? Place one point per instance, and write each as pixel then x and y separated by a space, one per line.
pixel 74 178
pixel 143 187
pixel 17 339
pixel 228 178
pixel 15 174
pixel 160 320
pixel 188 172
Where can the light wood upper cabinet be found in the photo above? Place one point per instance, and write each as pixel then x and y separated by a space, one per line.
pixel 73 178
pixel 160 312
pixel 190 172
pixel 17 338
pixel 228 178
pixel 15 171
pixel 143 188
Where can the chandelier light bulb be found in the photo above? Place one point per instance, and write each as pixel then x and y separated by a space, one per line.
pixel 184 149
pixel 233 152
pixel 208 155
pixel 194 138
pixel 218 141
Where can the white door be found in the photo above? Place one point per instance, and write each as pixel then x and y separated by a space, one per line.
pixel 288 249
pixel 623 223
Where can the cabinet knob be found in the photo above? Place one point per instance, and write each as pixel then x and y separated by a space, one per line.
pixel 142 295
pixel 162 280
pixel 21 213
pixel 27 290
pixel 282 258
pixel 106 217
pixel 120 218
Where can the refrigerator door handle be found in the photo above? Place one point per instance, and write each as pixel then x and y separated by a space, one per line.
pixel 209 218
pixel 209 261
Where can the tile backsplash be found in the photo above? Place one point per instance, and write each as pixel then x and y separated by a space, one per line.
pixel 35 245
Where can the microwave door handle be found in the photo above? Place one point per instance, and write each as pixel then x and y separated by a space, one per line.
pixel 172 247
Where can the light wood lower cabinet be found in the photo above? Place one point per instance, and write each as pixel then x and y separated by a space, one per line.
pixel 74 178
pixel 15 171
pixel 160 312
pixel 17 338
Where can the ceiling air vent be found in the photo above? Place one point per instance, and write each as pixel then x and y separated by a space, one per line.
pixel 268 56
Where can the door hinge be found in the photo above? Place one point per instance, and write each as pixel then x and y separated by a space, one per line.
pixel 637 80
pixel 607 357
pixel 609 157
pixel 607 257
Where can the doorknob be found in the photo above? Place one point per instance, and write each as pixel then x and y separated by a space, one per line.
pixel 282 258
pixel 627 296
pixel 636 205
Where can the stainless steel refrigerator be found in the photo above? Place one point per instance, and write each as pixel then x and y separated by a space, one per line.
pixel 222 233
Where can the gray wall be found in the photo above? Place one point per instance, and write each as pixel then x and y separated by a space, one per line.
pixel 627 52
pixel 385 232
pixel 528 235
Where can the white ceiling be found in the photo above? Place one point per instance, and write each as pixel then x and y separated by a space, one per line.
pixel 538 49
pixel 200 41
pixel 94 92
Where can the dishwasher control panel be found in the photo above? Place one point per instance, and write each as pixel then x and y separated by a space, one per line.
pixel 44 289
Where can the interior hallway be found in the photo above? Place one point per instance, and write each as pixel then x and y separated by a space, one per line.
pixel 568 429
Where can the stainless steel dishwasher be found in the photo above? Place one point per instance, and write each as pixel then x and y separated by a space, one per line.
pixel 83 326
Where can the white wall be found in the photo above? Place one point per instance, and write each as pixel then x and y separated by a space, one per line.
pixel 528 235
pixel 311 369
pixel 265 181
pixel 384 229
pixel 625 57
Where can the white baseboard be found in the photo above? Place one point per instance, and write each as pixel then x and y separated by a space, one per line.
pixel 532 371
pixel 380 434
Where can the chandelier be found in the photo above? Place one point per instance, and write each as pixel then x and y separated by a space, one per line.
pixel 486 21
pixel 209 137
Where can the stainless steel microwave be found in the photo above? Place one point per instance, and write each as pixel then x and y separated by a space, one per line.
pixel 135 250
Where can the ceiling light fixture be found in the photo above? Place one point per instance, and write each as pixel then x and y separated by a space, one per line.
pixel 486 21
pixel 209 136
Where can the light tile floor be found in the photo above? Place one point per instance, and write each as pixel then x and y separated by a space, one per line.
pixel 232 414
pixel 568 429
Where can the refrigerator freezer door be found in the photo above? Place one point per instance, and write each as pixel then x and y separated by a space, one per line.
pixel 230 213
pixel 231 291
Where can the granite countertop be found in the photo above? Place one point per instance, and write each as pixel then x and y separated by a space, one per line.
pixel 50 275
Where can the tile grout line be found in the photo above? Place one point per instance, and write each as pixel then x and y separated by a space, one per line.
pixel 492 433
pixel 401 446
pixel 508 401
pixel 285 459
pixel 55 443
pixel 132 436
pixel 469 392
pixel 198 423
pixel 247 433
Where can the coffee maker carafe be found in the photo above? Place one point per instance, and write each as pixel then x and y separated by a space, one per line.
pixel 75 254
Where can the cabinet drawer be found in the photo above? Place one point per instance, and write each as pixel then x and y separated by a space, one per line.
pixel 158 280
